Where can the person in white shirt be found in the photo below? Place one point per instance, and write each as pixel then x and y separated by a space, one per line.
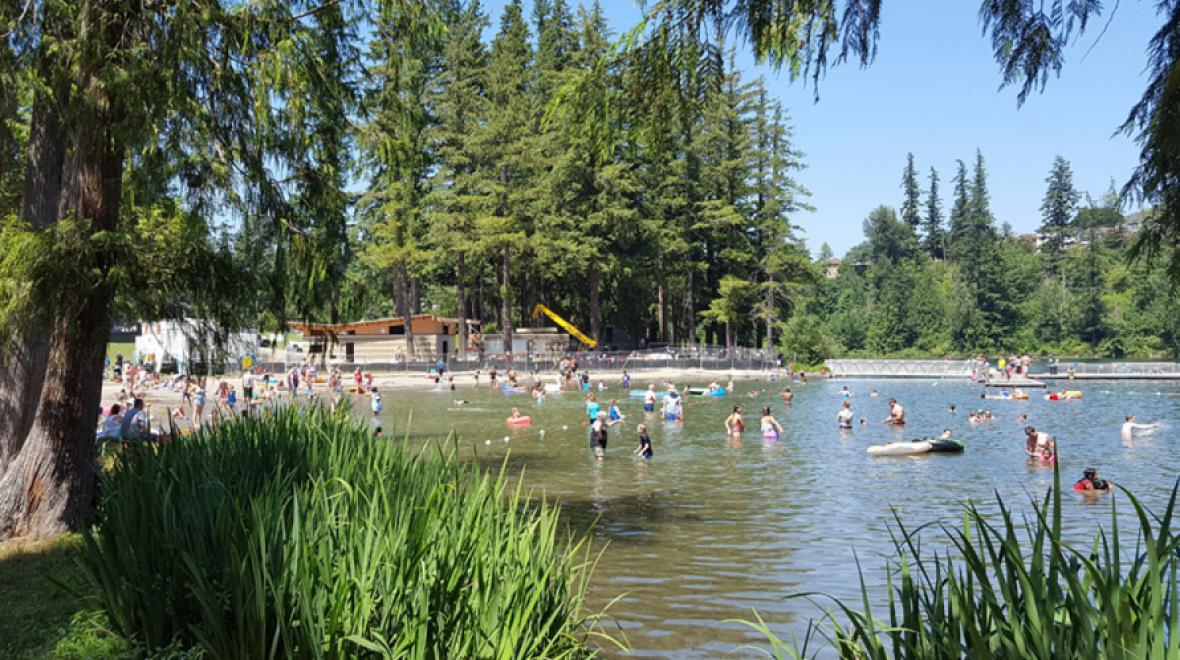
pixel 1130 426
pixel 844 417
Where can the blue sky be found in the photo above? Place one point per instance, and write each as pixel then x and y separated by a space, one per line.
pixel 933 90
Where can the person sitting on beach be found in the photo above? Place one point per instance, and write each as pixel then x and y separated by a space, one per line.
pixel 1130 426
pixel 896 414
pixel 112 425
pixel 1091 483
pixel 135 423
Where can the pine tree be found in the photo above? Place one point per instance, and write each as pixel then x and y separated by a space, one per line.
pixel 958 220
pixel 1057 211
pixel 911 195
pixel 934 238
pixel 506 140
pixel 458 197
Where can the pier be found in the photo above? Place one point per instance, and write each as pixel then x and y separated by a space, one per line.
pixel 968 369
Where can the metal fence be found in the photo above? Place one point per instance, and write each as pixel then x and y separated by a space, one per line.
pixel 703 357
pixel 900 368
pixel 1142 369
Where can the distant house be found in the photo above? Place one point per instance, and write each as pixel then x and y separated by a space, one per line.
pixel 832 267
pixel 384 340
pixel 191 343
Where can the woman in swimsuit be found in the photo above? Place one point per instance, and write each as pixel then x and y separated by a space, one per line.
pixel 771 429
pixel 734 425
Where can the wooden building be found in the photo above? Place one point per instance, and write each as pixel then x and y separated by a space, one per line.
pixel 384 340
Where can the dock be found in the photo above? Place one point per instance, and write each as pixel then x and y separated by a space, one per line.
pixel 969 369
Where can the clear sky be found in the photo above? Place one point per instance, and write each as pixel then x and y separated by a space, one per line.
pixel 934 91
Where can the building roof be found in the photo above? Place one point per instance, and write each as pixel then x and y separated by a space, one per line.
pixel 340 328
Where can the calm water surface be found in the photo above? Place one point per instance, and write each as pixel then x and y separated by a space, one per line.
pixel 705 532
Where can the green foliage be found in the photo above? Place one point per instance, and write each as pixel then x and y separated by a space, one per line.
pixel 1013 586
pixel 301 535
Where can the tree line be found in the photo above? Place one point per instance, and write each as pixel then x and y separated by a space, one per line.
pixel 921 287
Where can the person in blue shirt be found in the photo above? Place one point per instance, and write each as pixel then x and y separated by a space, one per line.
pixel 614 413
pixel 592 407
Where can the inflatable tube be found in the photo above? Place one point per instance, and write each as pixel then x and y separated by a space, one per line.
pixel 552 387
pixel 900 448
pixel 1073 394
pixel 945 446
pixel 639 394
pixel 720 391
pixel 697 390
pixel 520 421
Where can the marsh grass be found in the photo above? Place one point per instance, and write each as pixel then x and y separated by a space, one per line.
pixel 301 535
pixel 1012 587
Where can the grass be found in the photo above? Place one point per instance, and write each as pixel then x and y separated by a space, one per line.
pixel 45 615
pixel 1011 587
pixel 127 348
pixel 299 535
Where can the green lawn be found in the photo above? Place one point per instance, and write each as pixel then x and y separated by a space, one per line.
pixel 127 348
pixel 45 613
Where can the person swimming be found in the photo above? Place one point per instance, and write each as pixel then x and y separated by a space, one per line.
pixel 649 399
pixel 896 414
pixel 613 412
pixel 1130 426
pixel 771 429
pixel 673 409
pixel 786 395
pixel 644 448
pixel 1037 441
pixel 845 393
pixel 734 425
pixel 844 417
pixel 1091 483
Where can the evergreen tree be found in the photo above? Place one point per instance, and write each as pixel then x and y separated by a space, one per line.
pixel 911 195
pixel 1057 211
pixel 934 238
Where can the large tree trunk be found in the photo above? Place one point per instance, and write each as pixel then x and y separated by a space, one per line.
pixel 661 305
pixel 595 311
pixel 22 364
pixel 689 312
pixel 402 296
pixel 49 486
pixel 769 316
pixel 506 297
pixel 416 295
pixel 461 291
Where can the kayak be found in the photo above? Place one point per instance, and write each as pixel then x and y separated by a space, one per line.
pixel 901 448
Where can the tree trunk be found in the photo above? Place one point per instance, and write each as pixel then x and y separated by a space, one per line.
pixel 769 316
pixel 506 298
pixel 416 295
pixel 460 284
pixel 689 312
pixel 402 296
pixel 729 335
pixel 50 485
pixel 22 365
pixel 661 306
pixel 595 312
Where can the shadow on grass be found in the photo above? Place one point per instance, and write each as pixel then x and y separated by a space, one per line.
pixel 45 616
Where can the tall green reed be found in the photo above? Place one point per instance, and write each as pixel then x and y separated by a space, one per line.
pixel 302 535
pixel 998 592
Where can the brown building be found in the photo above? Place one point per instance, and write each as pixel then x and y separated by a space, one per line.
pixel 384 340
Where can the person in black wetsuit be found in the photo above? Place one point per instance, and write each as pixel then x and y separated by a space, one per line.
pixel 644 448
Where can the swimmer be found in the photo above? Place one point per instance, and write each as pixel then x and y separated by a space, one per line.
pixel 896 414
pixel 460 402
pixel 1023 418
pixel 844 417
pixel 1047 455
pixel 734 425
pixel 649 399
pixel 1091 483
pixel 644 448
pixel 592 407
pixel 864 421
pixel 1037 441
pixel 951 408
pixel 873 394
pixel 598 436
pixel 771 429
pixel 844 392
pixel 786 395
pixel 515 414
pixel 1130 426
pixel 613 412
pixel 672 408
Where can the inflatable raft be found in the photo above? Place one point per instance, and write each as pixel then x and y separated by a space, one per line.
pixel 935 446
pixel 639 394
pixel 520 421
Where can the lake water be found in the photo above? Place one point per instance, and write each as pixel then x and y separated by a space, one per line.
pixel 706 532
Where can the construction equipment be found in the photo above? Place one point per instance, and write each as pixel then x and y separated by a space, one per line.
pixel 565 325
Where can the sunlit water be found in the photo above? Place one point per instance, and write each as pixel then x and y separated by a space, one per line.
pixel 705 532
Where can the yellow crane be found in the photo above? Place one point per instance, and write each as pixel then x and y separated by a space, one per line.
pixel 565 325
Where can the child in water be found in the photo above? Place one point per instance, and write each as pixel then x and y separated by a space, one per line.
pixel 644 448
pixel 771 429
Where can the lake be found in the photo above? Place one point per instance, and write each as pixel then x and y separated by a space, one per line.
pixel 706 532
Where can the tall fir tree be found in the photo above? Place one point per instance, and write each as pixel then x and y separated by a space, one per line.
pixel 1057 211
pixel 934 235
pixel 911 195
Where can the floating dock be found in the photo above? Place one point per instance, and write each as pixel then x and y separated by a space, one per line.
pixel 970 369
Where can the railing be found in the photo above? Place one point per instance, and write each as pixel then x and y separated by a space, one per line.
pixel 1141 369
pixel 705 357
pixel 901 368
